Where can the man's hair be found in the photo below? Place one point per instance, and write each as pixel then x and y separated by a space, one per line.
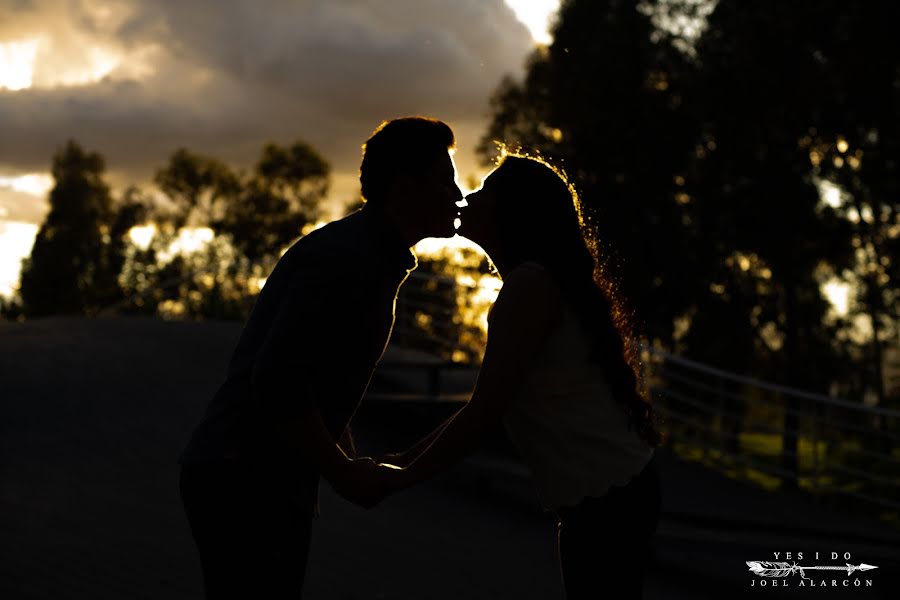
pixel 402 146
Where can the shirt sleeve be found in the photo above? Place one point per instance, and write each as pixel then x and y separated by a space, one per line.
pixel 292 366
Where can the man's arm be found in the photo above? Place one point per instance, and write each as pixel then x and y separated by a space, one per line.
pixel 347 443
pixel 354 479
pixel 403 459
pixel 287 380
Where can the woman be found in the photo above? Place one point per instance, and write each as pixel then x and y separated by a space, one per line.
pixel 557 372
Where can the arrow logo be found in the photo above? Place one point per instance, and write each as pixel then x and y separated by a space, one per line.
pixel 783 569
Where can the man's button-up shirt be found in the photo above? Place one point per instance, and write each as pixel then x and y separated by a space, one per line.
pixel 315 335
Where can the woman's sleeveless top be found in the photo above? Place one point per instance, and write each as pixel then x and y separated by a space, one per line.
pixel 567 426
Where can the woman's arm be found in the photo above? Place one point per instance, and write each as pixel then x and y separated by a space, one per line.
pixel 356 480
pixel 347 443
pixel 403 459
pixel 526 311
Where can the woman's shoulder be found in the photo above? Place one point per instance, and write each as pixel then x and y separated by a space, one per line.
pixel 533 276
pixel 531 284
pixel 531 266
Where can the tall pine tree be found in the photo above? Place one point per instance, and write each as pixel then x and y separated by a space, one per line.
pixel 69 270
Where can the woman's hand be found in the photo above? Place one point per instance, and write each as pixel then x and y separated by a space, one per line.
pixel 398 459
pixel 359 481
pixel 366 482
pixel 394 478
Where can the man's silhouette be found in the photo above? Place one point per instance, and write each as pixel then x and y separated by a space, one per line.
pixel 250 473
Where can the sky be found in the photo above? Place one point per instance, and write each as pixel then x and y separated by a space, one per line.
pixel 137 79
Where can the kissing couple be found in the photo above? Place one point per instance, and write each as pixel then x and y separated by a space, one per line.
pixel 557 372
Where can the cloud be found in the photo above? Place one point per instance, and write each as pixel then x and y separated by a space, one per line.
pixel 225 76
pixel 21 206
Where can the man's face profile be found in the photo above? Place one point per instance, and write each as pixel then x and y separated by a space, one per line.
pixel 438 195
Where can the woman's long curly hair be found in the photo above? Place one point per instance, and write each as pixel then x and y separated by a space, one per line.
pixel 539 218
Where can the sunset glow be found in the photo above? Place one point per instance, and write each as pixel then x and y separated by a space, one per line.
pixel 17 64
pixel 99 63
pixel 16 240
pixel 36 184
pixel 536 15
pixel 36 62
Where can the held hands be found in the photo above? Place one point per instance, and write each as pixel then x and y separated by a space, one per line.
pixel 359 483
pixel 399 460
pixel 366 483
pixel 394 477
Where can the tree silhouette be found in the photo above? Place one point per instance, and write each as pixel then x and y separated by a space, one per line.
pixel 262 211
pixel 605 102
pixel 701 160
pixel 74 264
pixel 283 195
pixel 253 215
pixel 855 146
pixel 800 92
pixel 198 187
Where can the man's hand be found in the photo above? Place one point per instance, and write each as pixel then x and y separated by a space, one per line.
pixel 395 478
pixel 362 482
pixel 347 443
pixel 397 459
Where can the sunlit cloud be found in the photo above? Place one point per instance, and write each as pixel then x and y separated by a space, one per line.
pixel 47 44
pixel 165 73
pixel 98 64
pixel 17 64
pixel 36 184
pixel 134 80
pixel 38 62
pixel 16 241
pixel 536 15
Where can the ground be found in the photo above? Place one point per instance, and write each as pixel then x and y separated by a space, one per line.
pixel 94 412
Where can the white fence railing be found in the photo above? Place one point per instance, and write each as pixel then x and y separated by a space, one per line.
pixel 834 446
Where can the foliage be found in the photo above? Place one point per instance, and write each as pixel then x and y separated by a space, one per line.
pixel 84 259
pixel 705 161
pixel 79 249
pixel 260 212
pixel 442 305
pixel 253 217
pixel 700 149
pixel 605 103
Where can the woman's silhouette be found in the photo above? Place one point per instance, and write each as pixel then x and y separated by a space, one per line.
pixel 559 371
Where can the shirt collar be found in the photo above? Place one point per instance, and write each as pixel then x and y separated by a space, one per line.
pixel 387 240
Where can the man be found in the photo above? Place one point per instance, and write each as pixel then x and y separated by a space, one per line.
pixel 250 473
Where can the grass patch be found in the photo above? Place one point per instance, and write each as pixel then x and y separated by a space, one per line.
pixel 816 460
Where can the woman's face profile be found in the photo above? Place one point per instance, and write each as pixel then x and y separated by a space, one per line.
pixel 478 217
